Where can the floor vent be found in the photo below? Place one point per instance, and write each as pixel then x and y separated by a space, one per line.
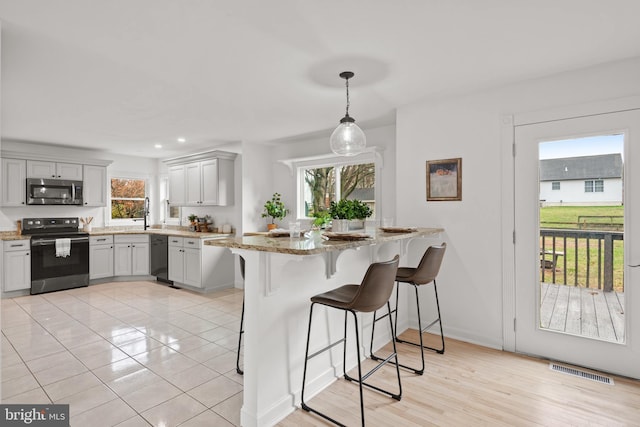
pixel 580 373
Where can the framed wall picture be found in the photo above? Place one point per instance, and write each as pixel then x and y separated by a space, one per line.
pixel 444 180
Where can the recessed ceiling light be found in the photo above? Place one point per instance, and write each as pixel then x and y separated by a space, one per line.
pixel 158 145
pixel 182 140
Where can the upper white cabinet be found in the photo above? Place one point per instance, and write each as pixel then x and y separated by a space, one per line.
pixel 176 185
pixel 95 185
pixel 17 166
pixel 42 169
pixel 205 179
pixel 14 175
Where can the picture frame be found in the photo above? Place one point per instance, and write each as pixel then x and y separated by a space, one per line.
pixel 444 180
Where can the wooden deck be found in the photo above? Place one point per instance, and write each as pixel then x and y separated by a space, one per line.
pixel 582 311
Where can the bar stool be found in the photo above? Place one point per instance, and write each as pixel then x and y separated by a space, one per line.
pixel 369 296
pixel 424 274
pixel 238 370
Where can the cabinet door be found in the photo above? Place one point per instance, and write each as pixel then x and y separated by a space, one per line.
pixel 226 187
pixel 17 270
pixel 176 185
pixel 39 169
pixel 122 259
pixel 139 259
pixel 94 192
pixel 14 175
pixel 176 264
pixel 192 187
pixel 192 267
pixel 70 171
pixel 100 261
pixel 209 182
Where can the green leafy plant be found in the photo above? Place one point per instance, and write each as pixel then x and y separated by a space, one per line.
pixel 193 218
pixel 275 208
pixel 321 218
pixel 349 209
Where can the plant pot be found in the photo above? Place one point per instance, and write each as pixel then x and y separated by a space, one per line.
pixel 271 226
pixel 344 225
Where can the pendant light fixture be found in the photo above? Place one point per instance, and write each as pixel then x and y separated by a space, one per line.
pixel 348 139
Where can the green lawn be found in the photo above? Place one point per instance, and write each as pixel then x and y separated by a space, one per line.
pixel 567 216
pixel 600 218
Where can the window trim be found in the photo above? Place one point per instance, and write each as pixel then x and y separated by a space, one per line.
pixel 298 165
pixel 125 221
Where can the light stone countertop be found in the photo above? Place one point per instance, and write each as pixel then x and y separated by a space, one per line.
pixel 104 231
pixel 314 243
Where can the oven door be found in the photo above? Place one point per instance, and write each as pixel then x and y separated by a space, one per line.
pixel 53 273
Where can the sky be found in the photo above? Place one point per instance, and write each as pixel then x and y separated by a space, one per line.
pixel 587 146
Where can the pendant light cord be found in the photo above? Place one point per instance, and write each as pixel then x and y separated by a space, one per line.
pixel 347 85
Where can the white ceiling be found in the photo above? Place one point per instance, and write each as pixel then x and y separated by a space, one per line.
pixel 123 75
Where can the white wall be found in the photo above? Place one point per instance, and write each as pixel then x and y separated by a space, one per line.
pixel 469 126
pixel 572 192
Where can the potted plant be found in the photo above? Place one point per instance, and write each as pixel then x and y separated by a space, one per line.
pixel 354 212
pixel 321 219
pixel 193 219
pixel 275 209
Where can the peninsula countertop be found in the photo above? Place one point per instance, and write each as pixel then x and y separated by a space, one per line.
pixel 313 242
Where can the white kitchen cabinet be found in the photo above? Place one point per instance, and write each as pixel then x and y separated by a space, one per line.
pixel 16 259
pixel 209 181
pixel 131 255
pixel 185 261
pixel 14 175
pixel 193 264
pixel 100 257
pixel 176 185
pixel 193 184
pixel 176 259
pixel 42 169
pixel 94 192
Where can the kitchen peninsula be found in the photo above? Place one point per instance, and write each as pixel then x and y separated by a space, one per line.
pixel 282 274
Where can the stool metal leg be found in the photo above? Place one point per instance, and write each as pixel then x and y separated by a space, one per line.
pixel 422 330
pixel 238 370
pixel 361 378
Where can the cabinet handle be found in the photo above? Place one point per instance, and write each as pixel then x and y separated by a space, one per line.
pixel 101 240
pixel 18 245
pixel 27 254
pixel 191 243
pixel 53 176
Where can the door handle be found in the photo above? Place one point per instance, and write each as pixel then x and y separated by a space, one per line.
pixel 633 266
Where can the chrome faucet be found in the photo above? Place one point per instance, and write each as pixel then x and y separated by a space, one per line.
pixel 145 214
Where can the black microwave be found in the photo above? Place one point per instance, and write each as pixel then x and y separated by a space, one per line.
pixel 53 192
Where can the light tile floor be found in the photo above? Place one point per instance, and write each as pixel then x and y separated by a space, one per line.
pixel 125 354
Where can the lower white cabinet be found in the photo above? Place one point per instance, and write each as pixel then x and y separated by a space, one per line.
pixel 131 255
pixel 100 257
pixel 194 264
pixel 185 261
pixel 16 259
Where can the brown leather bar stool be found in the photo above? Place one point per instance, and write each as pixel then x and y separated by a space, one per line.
pixel 369 296
pixel 238 370
pixel 424 274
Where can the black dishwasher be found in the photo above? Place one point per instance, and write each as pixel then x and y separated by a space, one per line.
pixel 160 258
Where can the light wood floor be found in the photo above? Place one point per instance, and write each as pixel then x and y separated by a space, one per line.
pixel 471 385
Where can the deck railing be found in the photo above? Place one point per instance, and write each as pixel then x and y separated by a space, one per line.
pixel 582 258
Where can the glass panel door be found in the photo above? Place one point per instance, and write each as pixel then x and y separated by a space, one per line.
pixel 576 239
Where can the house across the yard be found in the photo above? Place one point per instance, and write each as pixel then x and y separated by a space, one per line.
pixel 587 180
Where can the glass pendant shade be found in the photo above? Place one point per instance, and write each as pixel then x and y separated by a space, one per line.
pixel 348 139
